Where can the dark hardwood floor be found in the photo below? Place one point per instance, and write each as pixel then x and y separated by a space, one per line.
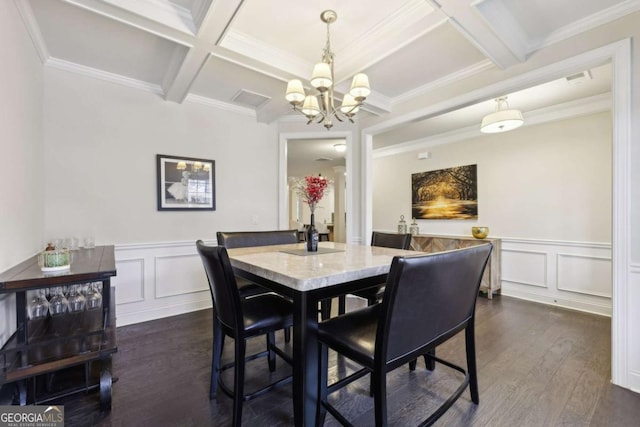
pixel 538 366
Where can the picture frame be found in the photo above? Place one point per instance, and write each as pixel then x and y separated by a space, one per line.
pixel 450 193
pixel 185 183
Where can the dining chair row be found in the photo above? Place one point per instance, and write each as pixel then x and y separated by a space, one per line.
pixel 436 291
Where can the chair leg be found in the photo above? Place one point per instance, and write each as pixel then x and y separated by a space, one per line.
pixel 470 341
pixel 412 365
pixel 342 304
pixel 323 356
pixel 325 309
pixel 371 300
pixel 238 380
pixel 287 334
pixel 429 362
pixel 380 396
pixel 215 357
pixel 271 341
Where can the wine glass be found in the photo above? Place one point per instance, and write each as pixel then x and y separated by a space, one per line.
pixel 38 305
pixel 58 304
pixel 94 295
pixel 75 299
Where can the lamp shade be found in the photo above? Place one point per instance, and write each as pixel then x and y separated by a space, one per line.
pixel 360 86
pixel 321 78
pixel 349 105
pixel 340 148
pixel 295 92
pixel 310 107
pixel 501 121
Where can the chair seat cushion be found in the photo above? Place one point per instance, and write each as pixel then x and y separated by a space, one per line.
pixel 265 313
pixel 248 288
pixel 352 334
pixel 371 293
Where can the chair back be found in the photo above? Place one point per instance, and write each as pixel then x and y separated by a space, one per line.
pixel 428 299
pixel 243 239
pixel 222 284
pixel 391 240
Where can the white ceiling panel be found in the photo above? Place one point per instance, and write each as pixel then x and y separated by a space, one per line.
pixel 432 57
pixel 219 49
pixel 221 80
pixel 78 36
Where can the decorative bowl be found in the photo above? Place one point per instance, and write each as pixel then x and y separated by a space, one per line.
pixel 480 232
pixel 54 260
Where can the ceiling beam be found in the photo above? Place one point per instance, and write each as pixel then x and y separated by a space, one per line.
pixel 469 22
pixel 215 22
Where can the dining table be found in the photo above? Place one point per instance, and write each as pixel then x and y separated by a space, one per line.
pixel 307 278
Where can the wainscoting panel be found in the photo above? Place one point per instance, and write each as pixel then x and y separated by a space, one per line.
pixel 157 280
pixel 632 329
pixel 525 267
pixel 575 275
pixel 130 281
pixel 584 274
pixel 7 316
pixel 178 275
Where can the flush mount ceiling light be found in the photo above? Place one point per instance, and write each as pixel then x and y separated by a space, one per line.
pixel 340 148
pixel 503 119
pixel 321 108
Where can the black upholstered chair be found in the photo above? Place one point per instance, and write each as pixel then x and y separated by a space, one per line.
pixel 243 239
pixel 428 299
pixel 241 318
pixel 373 295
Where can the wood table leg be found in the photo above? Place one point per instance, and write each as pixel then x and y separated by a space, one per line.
pixel 305 359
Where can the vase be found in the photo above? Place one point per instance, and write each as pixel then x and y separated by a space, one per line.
pixel 312 236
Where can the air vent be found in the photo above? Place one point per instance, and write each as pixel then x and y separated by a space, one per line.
pixel 579 77
pixel 252 99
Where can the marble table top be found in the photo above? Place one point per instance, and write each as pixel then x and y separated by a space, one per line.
pixel 305 273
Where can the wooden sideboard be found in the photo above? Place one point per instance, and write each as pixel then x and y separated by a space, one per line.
pixel 437 243
pixel 40 347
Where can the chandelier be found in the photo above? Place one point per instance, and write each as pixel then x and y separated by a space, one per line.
pixel 321 108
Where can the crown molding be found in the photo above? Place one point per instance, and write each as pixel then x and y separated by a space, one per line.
pixel 61 64
pixel 444 81
pixel 24 8
pixel 567 110
pixel 210 102
pixel 590 22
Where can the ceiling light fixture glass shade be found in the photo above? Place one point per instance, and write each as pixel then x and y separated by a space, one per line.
pixel 340 148
pixel 321 107
pixel 503 119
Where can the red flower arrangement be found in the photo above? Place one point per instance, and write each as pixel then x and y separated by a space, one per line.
pixel 311 189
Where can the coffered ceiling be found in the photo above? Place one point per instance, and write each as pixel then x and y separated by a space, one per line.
pixel 238 55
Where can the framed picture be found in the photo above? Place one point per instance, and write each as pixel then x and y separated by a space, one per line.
pixel 445 194
pixel 185 183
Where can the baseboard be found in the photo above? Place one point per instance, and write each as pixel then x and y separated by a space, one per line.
pixel 558 301
pixel 124 319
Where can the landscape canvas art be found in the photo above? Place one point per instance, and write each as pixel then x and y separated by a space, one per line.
pixel 445 193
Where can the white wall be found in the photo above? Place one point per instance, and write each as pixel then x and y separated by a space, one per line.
pixel 545 190
pixel 550 181
pixel 101 141
pixel 21 174
pixel 101 145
